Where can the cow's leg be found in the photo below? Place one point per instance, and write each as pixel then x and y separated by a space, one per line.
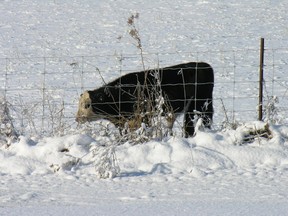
pixel 205 108
pixel 189 119
pixel 201 109
pixel 188 125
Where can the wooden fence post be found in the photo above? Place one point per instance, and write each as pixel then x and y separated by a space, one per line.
pixel 261 80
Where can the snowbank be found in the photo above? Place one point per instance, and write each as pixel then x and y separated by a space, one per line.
pixel 204 154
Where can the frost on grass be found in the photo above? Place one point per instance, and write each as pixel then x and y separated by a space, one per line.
pixel 106 165
pixel 271 110
pixel 7 131
pixel 252 131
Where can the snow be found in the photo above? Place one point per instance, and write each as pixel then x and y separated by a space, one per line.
pixel 222 171
pixel 207 174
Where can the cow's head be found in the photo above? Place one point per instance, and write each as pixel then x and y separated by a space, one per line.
pixel 85 111
pixel 96 104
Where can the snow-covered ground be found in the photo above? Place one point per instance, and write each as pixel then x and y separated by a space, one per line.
pixel 217 172
pixel 210 174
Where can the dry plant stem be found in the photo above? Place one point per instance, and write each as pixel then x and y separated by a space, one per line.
pixel 150 98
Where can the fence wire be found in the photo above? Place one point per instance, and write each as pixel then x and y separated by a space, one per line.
pixel 43 92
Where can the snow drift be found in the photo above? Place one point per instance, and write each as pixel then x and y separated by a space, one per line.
pixel 205 154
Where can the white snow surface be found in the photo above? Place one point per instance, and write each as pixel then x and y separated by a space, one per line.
pixel 209 174
pixel 216 172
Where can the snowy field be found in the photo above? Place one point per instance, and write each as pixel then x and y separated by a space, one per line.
pixel 51 51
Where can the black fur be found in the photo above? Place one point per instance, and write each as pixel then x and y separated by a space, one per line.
pixel 188 88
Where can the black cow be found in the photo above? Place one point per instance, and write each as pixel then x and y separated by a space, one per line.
pixel 187 88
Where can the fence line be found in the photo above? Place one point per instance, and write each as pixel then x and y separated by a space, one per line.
pixel 38 88
pixel 135 56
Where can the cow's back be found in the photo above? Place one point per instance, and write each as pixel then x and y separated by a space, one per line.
pixel 186 81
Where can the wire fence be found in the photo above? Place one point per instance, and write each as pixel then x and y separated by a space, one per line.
pixel 42 93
